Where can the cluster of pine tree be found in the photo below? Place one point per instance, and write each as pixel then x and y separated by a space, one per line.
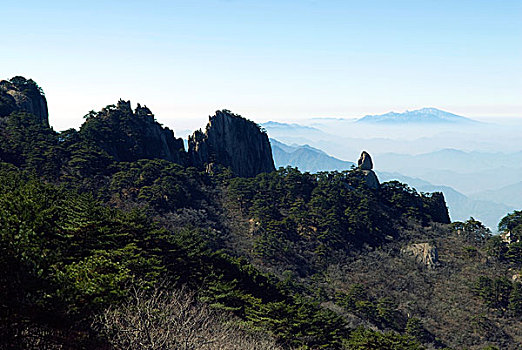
pixel 85 238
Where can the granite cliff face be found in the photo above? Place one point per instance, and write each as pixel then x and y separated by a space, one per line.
pixel 232 141
pixel 229 140
pixel 21 95
pixel 129 135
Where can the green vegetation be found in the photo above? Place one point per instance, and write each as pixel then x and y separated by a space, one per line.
pixel 500 294
pixel 287 259
pixel 69 258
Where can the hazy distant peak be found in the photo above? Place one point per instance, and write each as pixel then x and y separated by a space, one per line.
pixel 295 147
pixel 451 151
pixel 273 124
pixel 423 115
pixel 306 158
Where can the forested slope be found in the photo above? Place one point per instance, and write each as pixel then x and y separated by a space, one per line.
pixel 96 243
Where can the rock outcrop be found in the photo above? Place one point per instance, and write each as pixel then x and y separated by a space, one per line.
pixel 365 166
pixel 424 253
pixel 365 161
pixel 21 95
pixel 129 135
pixel 234 142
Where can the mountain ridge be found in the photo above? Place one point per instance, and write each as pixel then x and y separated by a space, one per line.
pixel 306 158
pixel 427 115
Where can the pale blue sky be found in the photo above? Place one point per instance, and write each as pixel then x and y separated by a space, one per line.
pixel 267 60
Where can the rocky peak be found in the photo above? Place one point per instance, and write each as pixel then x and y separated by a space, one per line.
pixel 129 135
pixel 143 112
pixel 124 106
pixel 22 95
pixel 365 166
pixel 365 161
pixel 232 141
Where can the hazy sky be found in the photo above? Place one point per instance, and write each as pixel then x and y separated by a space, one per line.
pixel 267 60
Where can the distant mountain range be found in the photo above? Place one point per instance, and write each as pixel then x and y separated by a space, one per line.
pixel 511 195
pixel 291 131
pixel 424 115
pixel 306 158
pixel 471 173
pixel 277 125
pixel 461 207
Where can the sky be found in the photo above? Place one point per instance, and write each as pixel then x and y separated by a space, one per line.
pixel 267 60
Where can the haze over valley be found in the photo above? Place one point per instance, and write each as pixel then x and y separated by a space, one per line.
pixel 476 163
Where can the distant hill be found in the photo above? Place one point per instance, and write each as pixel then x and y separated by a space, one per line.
pixel 469 172
pixel 511 195
pixel 448 159
pixel 424 115
pixel 306 158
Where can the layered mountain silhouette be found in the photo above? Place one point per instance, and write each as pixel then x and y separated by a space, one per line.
pixel 424 115
pixel 306 158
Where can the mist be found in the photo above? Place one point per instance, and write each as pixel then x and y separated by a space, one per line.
pixel 477 163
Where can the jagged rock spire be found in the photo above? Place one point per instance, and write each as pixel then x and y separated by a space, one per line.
pixel 365 161
pixel 365 166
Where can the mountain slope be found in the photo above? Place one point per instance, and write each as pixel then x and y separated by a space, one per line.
pixel 23 95
pixel 128 135
pixel 231 141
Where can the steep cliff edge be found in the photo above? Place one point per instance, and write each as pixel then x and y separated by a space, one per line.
pixel 232 141
pixel 129 135
pixel 22 95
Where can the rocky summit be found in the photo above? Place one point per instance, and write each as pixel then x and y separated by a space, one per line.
pixel 23 95
pixel 365 161
pixel 129 135
pixel 232 141
pixel 365 166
